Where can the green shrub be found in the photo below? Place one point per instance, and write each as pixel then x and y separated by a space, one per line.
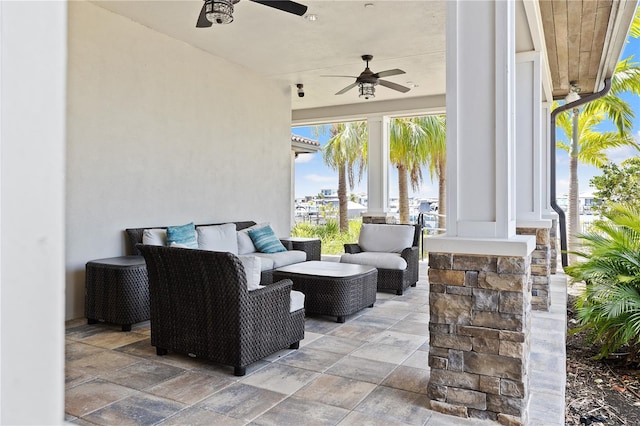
pixel 609 308
pixel 332 239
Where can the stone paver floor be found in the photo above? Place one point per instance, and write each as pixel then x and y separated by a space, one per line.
pixel 370 370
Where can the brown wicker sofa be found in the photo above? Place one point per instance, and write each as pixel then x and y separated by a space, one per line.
pixel 200 306
pixel 389 278
pixel 135 236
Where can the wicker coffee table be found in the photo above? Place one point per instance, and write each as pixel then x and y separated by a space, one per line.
pixel 332 288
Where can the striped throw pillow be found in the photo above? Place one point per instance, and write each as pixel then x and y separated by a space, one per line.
pixel 265 240
pixel 183 234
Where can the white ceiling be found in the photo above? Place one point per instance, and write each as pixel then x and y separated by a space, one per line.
pixel 409 35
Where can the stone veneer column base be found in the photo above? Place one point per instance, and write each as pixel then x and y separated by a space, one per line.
pixel 480 321
pixel 553 239
pixel 378 218
pixel 540 267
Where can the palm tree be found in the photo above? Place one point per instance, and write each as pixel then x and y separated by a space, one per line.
pixel 590 150
pixel 414 143
pixel 437 152
pixel 346 152
pixel 590 145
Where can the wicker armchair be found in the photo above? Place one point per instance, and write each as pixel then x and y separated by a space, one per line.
pixel 200 306
pixel 396 280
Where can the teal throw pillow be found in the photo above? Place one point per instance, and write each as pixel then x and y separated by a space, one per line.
pixel 265 240
pixel 183 235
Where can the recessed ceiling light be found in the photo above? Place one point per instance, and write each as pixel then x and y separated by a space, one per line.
pixel 367 5
pixel 311 17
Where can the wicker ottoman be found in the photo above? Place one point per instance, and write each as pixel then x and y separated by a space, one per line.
pixel 332 288
pixel 117 291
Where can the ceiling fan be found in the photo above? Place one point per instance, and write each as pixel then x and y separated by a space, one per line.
pixel 368 80
pixel 221 11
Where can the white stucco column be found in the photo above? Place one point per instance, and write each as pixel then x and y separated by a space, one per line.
pixel 530 143
pixel 545 136
pixel 479 271
pixel 378 166
pixel 481 149
pixel 33 61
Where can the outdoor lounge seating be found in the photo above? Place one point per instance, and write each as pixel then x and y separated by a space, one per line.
pixel 392 249
pixel 237 241
pixel 200 306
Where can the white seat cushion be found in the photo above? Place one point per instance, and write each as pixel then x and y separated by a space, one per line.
pixel 376 259
pixel 296 300
pixel 284 258
pixel 385 238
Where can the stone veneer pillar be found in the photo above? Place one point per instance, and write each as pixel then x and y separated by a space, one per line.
pixel 540 267
pixel 553 238
pixel 479 327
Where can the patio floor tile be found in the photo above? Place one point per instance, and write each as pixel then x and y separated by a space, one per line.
pixel 371 370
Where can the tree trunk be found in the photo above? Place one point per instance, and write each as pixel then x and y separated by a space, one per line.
pixel 342 199
pixel 573 203
pixel 403 194
pixel 442 196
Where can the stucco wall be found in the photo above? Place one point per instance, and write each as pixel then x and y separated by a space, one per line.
pixel 161 133
pixel 32 143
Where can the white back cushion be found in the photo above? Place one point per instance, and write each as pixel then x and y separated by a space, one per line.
pixel 385 238
pixel 245 244
pixel 252 270
pixel 154 237
pixel 296 300
pixel 218 238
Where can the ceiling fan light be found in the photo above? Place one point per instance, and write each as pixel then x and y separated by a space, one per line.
pixel 367 90
pixel 219 11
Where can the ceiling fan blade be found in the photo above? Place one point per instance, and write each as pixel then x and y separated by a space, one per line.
pixel 346 76
pixel 393 86
pixel 285 5
pixel 389 73
pixel 346 89
pixel 203 22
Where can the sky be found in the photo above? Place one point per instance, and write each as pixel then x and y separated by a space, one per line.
pixel 312 175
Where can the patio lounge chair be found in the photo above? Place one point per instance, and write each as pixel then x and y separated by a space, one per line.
pixel 392 249
pixel 200 306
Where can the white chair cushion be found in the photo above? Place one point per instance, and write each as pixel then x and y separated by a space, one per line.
pixel 154 237
pixel 284 258
pixel 376 259
pixel 252 270
pixel 266 264
pixel 385 238
pixel 218 238
pixel 296 300
pixel 180 245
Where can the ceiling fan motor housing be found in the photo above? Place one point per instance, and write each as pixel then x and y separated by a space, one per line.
pixel 367 76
